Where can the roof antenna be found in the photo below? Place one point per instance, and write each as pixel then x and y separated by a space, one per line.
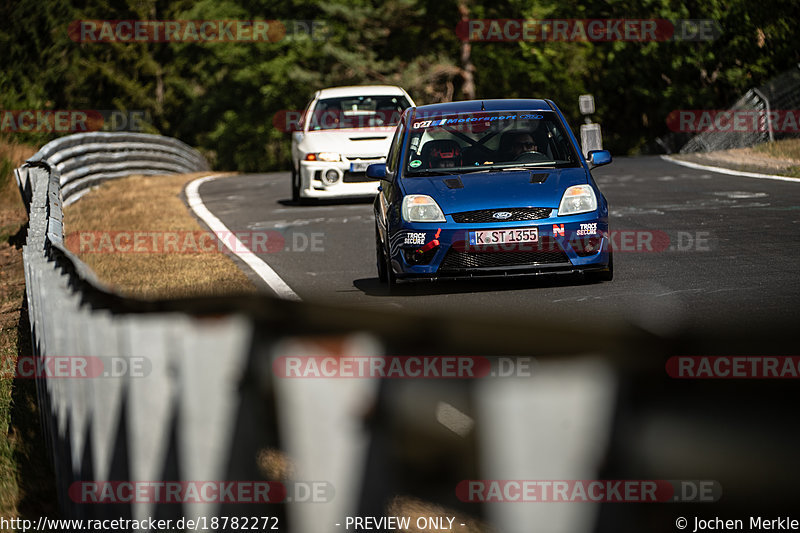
pixel 482 108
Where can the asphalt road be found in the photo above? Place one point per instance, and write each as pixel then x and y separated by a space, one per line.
pixel 693 246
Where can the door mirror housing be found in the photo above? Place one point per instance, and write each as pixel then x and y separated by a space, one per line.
pixel 598 158
pixel 377 171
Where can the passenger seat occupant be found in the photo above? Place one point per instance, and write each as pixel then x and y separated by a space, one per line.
pixel 443 153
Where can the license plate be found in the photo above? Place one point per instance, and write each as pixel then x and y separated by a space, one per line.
pixel 361 166
pixel 503 236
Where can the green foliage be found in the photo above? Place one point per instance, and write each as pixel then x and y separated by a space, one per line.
pixel 222 96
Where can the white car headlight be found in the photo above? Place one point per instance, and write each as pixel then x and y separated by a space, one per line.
pixel 421 208
pixel 328 156
pixel 577 199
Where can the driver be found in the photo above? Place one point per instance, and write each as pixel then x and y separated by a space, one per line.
pixel 517 144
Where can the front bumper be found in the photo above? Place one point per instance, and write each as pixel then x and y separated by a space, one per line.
pixel 565 244
pixel 349 185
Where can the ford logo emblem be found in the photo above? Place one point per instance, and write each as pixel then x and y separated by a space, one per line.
pixel 502 215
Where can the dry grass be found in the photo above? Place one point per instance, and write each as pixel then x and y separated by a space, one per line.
pixel 26 483
pixel 780 157
pixel 149 204
pixel 788 149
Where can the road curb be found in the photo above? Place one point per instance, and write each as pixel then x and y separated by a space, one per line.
pixel 262 269
pixel 722 170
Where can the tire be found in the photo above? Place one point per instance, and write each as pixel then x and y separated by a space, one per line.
pixel 380 259
pixel 295 185
pixel 603 275
pixel 391 279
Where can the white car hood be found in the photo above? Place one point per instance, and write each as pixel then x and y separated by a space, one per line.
pixel 352 143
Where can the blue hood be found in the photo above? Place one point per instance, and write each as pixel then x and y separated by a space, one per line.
pixel 497 190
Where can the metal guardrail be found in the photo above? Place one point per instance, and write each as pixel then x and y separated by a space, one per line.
pixel 86 159
pixel 781 93
pixel 208 405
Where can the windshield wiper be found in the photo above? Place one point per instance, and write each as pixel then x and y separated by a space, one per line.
pixel 434 172
pixel 518 167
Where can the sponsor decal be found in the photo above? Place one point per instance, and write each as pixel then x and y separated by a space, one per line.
pixel 587 229
pixel 558 230
pixel 455 120
pixel 415 163
pixel 415 238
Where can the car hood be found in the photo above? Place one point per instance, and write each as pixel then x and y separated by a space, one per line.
pixel 496 190
pixel 371 142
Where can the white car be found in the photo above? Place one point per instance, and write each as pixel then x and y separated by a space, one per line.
pixel 342 131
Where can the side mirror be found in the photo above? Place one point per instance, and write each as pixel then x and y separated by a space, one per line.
pixel 598 157
pixel 377 171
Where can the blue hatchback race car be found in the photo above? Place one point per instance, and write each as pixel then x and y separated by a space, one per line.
pixel 489 187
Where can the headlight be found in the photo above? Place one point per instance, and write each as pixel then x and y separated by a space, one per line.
pixel 421 208
pixel 328 156
pixel 577 199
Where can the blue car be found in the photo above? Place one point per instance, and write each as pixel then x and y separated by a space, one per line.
pixel 489 188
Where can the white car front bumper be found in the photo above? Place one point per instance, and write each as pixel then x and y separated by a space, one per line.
pixel 349 185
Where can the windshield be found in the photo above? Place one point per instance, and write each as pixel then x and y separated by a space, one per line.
pixel 358 112
pixel 471 142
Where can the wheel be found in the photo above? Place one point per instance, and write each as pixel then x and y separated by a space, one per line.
pixel 385 272
pixel 603 275
pixel 380 260
pixel 295 185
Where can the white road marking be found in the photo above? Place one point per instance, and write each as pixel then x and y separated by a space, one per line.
pixel 720 170
pixel 263 270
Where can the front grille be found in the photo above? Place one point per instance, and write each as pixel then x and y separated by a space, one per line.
pixel 518 214
pixel 356 177
pixel 457 260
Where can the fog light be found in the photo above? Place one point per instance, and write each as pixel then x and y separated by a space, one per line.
pixel 586 245
pixel 330 177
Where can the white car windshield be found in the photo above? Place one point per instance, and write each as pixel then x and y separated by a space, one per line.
pixel 358 112
pixel 479 141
